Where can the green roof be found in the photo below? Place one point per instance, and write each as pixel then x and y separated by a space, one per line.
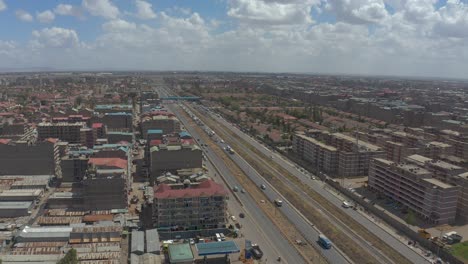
pixel 216 248
pixel 180 253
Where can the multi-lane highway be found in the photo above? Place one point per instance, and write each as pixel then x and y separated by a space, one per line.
pixel 395 243
pixel 305 228
pixel 256 225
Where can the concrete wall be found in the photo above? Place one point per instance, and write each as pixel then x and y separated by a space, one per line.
pixel 24 159
pixel 105 194
pixel 171 160
pixel 73 169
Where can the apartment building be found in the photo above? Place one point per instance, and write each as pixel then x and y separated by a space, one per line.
pixel 407 139
pixel 25 158
pixel 435 149
pixel 88 137
pixel 195 207
pixel 170 158
pixel 397 152
pixel 105 185
pixel 69 132
pixel 74 167
pixel 354 154
pixel 101 130
pixel 113 108
pixel 415 188
pixel 322 156
pixel 336 154
pixel 448 173
pixel 164 121
pixel 120 121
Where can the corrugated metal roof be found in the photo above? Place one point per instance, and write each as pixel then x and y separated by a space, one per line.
pixel 152 241
pixel 98 217
pixel 58 220
pixel 15 205
pixel 138 242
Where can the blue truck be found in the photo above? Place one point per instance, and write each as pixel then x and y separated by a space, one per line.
pixel 324 242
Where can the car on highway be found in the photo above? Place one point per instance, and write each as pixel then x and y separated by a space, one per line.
pixel 346 204
pixel 263 187
pixel 241 215
pixel 236 189
pixel 243 191
pixel 279 202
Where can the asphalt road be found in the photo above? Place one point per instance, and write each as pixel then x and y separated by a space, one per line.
pixel 307 230
pixel 318 187
pixel 256 225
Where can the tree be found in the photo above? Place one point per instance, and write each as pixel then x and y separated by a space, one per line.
pixel 70 258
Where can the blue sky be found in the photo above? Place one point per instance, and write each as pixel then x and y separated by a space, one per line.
pixel 396 37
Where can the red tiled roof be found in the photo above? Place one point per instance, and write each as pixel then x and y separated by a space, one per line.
pixel 205 189
pixel 109 162
pixel 97 125
pixel 52 140
pixel 187 141
pixel 4 141
pixel 155 142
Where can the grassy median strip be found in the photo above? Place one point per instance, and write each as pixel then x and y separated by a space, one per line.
pixel 289 231
pixel 343 241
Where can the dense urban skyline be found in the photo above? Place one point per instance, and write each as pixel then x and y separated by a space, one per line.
pixel 389 37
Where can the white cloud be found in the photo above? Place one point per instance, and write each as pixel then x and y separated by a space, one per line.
pixel 267 12
pixel 55 37
pixel 103 8
pixel 45 17
pixel 144 10
pixel 453 20
pixel 24 16
pixel 3 6
pixel 358 11
pixel 265 39
pixel 68 10
pixel 118 25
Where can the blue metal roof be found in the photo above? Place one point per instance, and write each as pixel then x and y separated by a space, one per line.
pixel 217 248
pixel 119 114
pixel 189 98
pixel 120 133
pixel 184 134
pixel 155 131
pixel 110 106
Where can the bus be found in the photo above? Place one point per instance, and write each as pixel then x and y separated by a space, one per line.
pixel 324 242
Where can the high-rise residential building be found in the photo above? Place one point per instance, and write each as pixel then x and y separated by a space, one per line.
pixel 25 158
pixel 415 188
pixel 191 207
pixel 336 154
pixel 322 156
pixel 105 185
pixel 170 158
pixel 165 121
pixel 69 132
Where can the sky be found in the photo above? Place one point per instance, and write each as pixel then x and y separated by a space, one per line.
pixel 370 37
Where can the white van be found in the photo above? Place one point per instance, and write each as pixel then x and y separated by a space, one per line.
pixel 218 237
pixel 346 204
